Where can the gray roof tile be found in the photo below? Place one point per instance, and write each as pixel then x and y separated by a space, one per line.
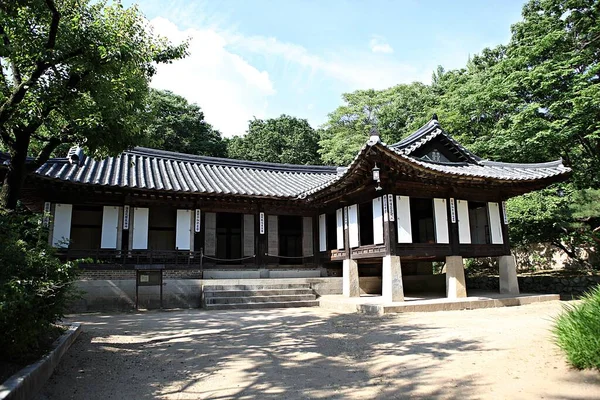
pixel 151 169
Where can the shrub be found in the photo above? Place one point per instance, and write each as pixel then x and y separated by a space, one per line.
pixel 577 331
pixel 35 286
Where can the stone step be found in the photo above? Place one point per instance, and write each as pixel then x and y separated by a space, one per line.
pixel 246 306
pixel 261 299
pixel 257 287
pixel 260 292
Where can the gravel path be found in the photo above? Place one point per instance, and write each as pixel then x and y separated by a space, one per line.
pixel 501 353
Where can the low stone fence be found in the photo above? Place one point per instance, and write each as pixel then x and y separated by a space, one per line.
pixel 118 294
pixel 567 286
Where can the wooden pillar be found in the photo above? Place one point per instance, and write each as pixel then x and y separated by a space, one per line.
pixel 392 288
pixel 316 244
pixel 350 277
pixel 260 239
pixel 389 225
pixel 453 226
pixel 504 219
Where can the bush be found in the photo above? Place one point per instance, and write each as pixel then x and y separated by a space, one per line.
pixel 35 286
pixel 577 331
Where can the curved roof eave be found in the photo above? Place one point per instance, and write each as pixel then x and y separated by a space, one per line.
pixel 485 170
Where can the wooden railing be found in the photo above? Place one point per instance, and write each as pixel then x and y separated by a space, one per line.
pixel 150 257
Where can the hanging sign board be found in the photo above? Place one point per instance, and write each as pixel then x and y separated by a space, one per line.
pixel 385 208
pixel 126 217
pixel 345 217
pixel 197 221
pixel 452 211
pixel 390 199
pixel 262 223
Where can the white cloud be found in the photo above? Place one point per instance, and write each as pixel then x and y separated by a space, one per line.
pixel 221 77
pixel 378 45
pixel 229 90
pixel 356 70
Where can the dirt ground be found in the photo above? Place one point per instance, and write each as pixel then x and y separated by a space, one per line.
pixel 502 353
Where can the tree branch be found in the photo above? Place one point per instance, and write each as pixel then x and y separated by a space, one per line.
pixel 53 24
pixel 596 231
pixel 44 154
pixel 19 93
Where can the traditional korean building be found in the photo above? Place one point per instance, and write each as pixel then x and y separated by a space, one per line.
pixel 393 212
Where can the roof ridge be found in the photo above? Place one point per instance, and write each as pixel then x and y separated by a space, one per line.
pixel 231 162
pixel 418 134
pixel 547 164
pixel 428 132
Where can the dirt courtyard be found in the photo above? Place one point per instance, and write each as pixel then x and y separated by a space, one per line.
pixel 501 353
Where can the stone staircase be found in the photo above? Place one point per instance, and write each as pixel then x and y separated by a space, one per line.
pixel 237 297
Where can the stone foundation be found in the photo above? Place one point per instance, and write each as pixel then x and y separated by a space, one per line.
pixel 567 287
pixel 119 294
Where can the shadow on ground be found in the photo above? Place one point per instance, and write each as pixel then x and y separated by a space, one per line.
pixel 257 354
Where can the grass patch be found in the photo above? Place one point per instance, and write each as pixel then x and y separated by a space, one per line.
pixel 577 331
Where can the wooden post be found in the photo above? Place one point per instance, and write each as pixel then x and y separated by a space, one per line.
pixel 389 227
pixel 261 239
pixel 504 221
pixel 453 227
pixel 346 233
pixel 316 250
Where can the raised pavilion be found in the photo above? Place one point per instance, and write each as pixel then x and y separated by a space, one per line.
pixel 391 213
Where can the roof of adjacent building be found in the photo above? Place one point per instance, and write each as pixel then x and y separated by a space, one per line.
pixel 150 169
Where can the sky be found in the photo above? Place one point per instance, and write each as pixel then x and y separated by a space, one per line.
pixel 263 58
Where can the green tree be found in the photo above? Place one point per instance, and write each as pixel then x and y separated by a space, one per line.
pixel 537 98
pixel 175 125
pixel 280 140
pixel 395 112
pixel 73 71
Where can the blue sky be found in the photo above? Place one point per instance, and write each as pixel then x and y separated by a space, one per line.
pixel 264 58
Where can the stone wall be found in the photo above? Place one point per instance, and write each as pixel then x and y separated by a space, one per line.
pixel 99 274
pixel 114 291
pixel 567 286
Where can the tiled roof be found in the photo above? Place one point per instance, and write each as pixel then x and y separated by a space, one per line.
pixel 426 134
pixel 150 169
pixel 495 170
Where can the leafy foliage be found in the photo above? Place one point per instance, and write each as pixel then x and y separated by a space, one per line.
pixel 396 112
pixel 281 140
pixel 34 285
pixel 537 98
pixel 534 99
pixel 73 71
pixel 175 125
pixel 577 331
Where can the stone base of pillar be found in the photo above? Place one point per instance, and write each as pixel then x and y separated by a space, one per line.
pixel 392 288
pixel 350 286
pixel 455 277
pixel 509 283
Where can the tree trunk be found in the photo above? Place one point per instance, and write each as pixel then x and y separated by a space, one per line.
pixel 15 176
